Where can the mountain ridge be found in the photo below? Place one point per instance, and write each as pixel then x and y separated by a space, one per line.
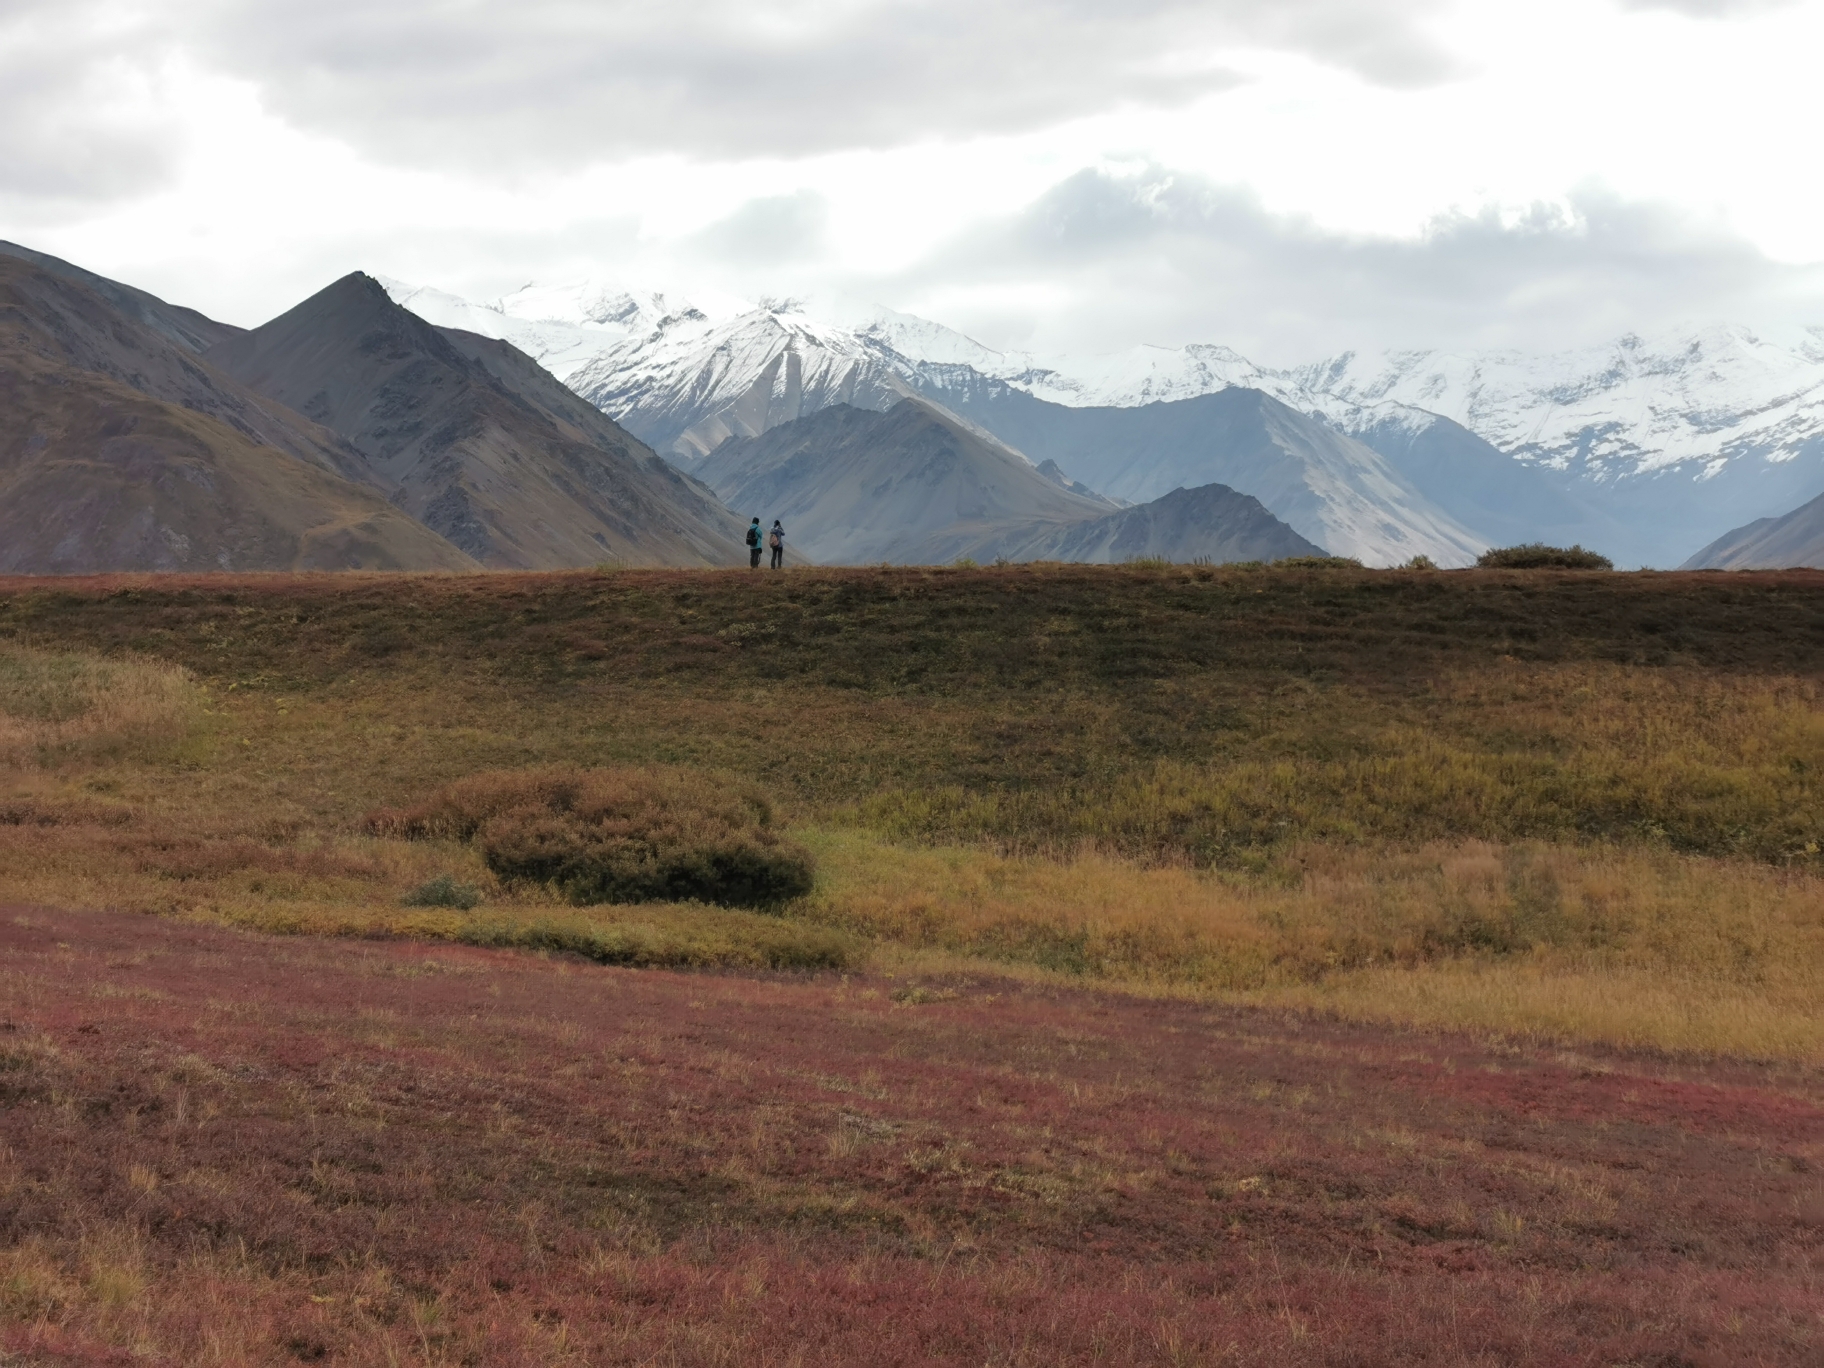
pixel 477 441
pixel 100 473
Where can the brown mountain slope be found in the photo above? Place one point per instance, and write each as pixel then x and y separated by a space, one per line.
pixel 57 316
pixel 188 329
pixel 95 476
pixel 1793 539
pixel 479 443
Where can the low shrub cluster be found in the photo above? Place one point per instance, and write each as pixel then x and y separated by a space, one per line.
pixel 1317 563
pixel 1538 556
pixel 617 835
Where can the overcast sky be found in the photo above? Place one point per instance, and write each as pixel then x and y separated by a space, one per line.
pixel 1289 177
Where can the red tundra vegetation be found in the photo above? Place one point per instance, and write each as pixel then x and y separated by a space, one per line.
pixel 229 1148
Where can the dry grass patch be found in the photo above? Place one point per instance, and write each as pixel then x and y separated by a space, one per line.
pixel 1629 945
pixel 54 704
pixel 1713 764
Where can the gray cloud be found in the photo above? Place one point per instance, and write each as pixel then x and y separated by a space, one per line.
pixel 519 83
pixel 66 141
pixel 773 231
pixel 1157 257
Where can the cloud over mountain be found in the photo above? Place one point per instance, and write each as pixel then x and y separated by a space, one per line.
pixel 1167 257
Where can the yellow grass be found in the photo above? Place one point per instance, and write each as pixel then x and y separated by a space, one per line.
pixel 53 703
pixel 1627 945
pixel 1503 847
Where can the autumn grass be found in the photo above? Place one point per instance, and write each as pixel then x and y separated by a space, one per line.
pixel 1577 806
pixel 1508 752
pixel 1631 946
pixel 60 704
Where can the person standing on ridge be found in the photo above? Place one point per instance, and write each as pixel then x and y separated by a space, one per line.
pixel 753 545
pixel 776 540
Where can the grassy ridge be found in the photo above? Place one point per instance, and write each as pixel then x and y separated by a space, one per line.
pixel 1291 782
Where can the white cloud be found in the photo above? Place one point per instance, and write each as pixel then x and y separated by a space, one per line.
pixel 1104 261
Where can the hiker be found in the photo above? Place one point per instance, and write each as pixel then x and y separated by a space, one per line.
pixel 753 545
pixel 776 540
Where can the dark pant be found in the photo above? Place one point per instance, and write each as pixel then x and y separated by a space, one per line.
pixel 753 559
pixel 778 556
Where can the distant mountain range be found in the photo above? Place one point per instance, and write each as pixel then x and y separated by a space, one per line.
pixel 915 485
pixel 349 432
pixel 1644 448
pixel 381 426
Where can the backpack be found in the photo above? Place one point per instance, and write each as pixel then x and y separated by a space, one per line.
pixel 753 535
pixel 776 540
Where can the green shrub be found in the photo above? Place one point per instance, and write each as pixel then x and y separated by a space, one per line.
pixel 443 891
pixel 1318 563
pixel 617 835
pixel 1420 562
pixel 1538 556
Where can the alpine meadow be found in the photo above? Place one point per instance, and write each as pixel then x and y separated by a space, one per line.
pixel 1017 964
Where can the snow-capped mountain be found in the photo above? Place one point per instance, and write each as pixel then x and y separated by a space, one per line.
pixel 1695 397
pixel 1647 448
pixel 686 377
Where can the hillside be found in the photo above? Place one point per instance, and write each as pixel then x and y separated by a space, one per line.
pixel 59 315
pixel 475 440
pixel 185 328
pixel 121 450
pixel 1796 538
pixel 1365 943
pixel 95 476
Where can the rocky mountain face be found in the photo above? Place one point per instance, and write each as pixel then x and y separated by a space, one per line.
pixel 1795 538
pixel 120 449
pixel 189 330
pixel 1673 437
pixel 1644 448
pixel 475 440
pixel 917 485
